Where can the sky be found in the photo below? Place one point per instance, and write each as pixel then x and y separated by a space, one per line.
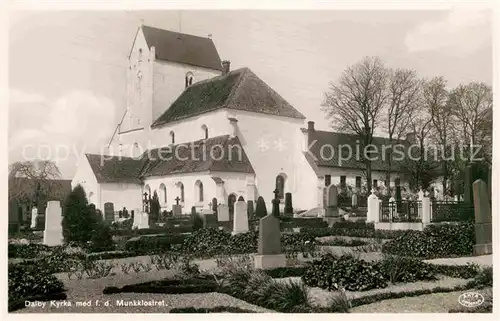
pixel 67 68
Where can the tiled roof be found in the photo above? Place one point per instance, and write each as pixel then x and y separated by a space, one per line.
pixel 325 158
pixel 240 89
pixel 115 169
pixel 198 156
pixel 182 48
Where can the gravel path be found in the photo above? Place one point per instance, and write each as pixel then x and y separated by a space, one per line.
pixel 483 260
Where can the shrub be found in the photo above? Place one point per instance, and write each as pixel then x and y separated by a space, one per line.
pixel 363 232
pixel 288 204
pixel 484 278
pixel 26 251
pixel 285 272
pixel 197 221
pixel 153 244
pixel 354 225
pixel 78 219
pixel 101 239
pixel 330 272
pixel 287 296
pixel 217 309
pixel 344 242
pixel 212 242
pixel 26 282
pixel 155 208
pixel 434 241
pixel 400 269
pixel 260 208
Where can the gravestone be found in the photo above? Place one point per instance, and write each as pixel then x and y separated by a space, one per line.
pixel 177 208
pixel 141 220
pixel 276 204
pixel 250 210
pixel 109 212
pixel 34 216
pixel 332 201
pixel 209 220
pixel 288 204
pixel 482 213
pixel 240 222
pixel 52 235
pixel 269 253
pixel 223 213
pixel 373 203
pixel 214 205
pixel 354 200
pixel 392 208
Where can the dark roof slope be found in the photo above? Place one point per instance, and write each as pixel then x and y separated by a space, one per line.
pixel 322 158
pixel 220 154
pixel 182 48
pixel 240 89
pixel 114 169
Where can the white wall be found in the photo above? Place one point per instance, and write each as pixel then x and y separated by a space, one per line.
pixel 121 195
pixel 169 82
pixel 86 178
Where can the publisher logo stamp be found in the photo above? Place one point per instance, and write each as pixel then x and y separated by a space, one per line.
pixel 471 299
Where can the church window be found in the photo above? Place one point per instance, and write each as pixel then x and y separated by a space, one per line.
pixel 204 129
pixel 199 191
pixel 163 193
pixel 172 136
pixel 328 180
pixel 147 189
pixel 189 79
pixel 180 187
pixel 358 181
pixel 280 186
pixel 342 181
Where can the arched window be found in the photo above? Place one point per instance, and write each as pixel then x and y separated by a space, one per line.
pixel 180 190
pixel 147 189
pixel 189 79
pixel 280 186
pixel 172 136
pixel 163 193
pixel 199 191
pixel 204 129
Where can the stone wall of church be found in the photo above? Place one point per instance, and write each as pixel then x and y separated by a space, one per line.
pixel 86 178
pixel 189 130
pixel 273 146
pixel 169 82
pixel 121 195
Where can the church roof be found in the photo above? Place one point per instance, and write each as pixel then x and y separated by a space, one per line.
pixel 326 138
pixel 239 89
pixel 182 48
pixel 218 154
pixel 115 169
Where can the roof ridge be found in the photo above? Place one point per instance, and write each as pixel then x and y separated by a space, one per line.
pixel 244 73
pixel 176 32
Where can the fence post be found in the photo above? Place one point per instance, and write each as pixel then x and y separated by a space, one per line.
pixel 426 210
pixel 373 214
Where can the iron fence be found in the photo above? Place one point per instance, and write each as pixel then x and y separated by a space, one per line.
pixel 400 211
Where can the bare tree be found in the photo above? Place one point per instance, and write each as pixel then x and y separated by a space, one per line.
pixel 419 162
pixel 32 181
pixel 472 106
pixel 404 89
pixel 435 101
pixel 355 103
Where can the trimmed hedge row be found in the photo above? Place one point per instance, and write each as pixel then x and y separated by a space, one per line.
pixel 353 232
pixel 192 285
pixel 217 309
pixel 447 240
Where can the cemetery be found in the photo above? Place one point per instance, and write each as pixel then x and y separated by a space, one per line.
pixel 246 259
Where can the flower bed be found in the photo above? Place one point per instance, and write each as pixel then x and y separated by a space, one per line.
pixel 30 282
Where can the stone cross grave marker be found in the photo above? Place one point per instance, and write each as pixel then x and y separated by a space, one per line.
pixel 482 213
pixel 240 222
pixel 52 235
pixel 177 208
pixel 276 203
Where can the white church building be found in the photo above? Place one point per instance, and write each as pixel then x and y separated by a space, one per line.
pixel 195 130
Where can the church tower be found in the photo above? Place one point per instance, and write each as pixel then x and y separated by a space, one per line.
pixel 161 65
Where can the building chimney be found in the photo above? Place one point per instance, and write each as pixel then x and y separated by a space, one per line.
pixel 234 124
pixel 225 67
pixel 310 126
